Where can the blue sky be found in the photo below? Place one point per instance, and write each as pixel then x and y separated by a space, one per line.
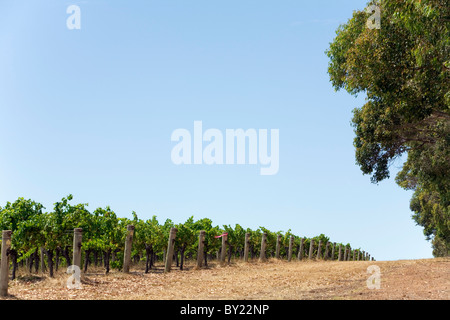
pixel 90 112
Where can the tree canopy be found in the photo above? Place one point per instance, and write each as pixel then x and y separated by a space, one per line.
pixel 404 69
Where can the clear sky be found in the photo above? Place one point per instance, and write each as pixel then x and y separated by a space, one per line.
pixel 90 112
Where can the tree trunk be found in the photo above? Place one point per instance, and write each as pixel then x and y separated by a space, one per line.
pixel 13 255
pixel 107 255
pixel 95 258
pixel 30 263
pixel 36 261
pixel 148 257
pixel 67 256
pixel 230 250
pixel 147 261
pixel 86 260
pixel 182 258
pixel 49 254
pixel 57 258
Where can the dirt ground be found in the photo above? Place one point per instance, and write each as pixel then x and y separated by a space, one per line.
pixel 273 280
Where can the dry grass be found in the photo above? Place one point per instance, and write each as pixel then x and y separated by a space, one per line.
pixel 273 280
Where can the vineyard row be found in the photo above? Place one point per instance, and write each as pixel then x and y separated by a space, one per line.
pixel 72 234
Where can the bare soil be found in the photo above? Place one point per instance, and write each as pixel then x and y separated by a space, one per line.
pixel 273 280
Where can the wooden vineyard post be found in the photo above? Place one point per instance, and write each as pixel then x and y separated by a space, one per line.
pixel 354 252
pixel 363 256
pixel 262 254
pixel 277 254
pixel 201 244
pixel 4 267
pixel 345 254
pixel 170 247
pixel 327 250
pixel 311 249
pixel 332 251
pixel 77 240
pixel 291 244
pixel 300 252
pixel 128 246
pixel 340 253
pixel 246 246
pixel 223 252
pixel 349 253
pixel 319 248
pixel 358 255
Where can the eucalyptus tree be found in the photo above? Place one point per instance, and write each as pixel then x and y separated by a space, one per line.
pixel 404 69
